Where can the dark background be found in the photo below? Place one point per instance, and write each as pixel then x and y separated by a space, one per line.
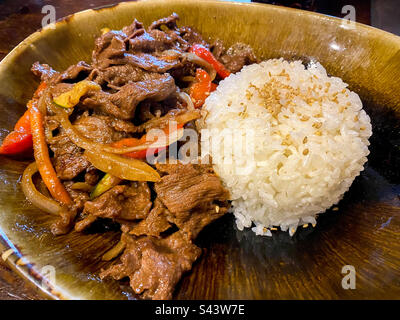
pixel 20 18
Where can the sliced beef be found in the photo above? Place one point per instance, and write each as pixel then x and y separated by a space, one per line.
pixel 152 50
pixel 92 176
pixel 133 30
pixel 193 194
pixel 49 75
pixel 68 158
pixel 123 126
pixel 109 49
pixel 126 202
pixel 153 265
pixel 77 71
pixel 98 128
pixel 236 57
pixel 78 197
pixel 117 76
pixel 43 71
pixel 149 110
pixel 191 36
pixel 136 69
pixel 68 214
pixel 186 68
pixel 65 222
pixel 152 41
pixel 123 104
pixel 153 62
pixel 169 22
pixel 153 225
pixel 129 202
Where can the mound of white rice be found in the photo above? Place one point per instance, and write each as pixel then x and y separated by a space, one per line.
pixel 287 141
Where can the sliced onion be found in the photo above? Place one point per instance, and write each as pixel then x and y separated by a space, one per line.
pixel 201 62
pixel 185 97
pixel 121 167
pixel 114 251
pixel 188 79
pixel 33 195
pixel 82 186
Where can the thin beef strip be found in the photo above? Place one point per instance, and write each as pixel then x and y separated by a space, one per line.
pixel 126 202
pixel 193 194
pixel 153 225
pixel 79 70
pixel 169 22
pixel 50 76
pixel 92 176
pixel 98 128
pixel 153 50
pixel 236 57
pixel 109 49
pixel 154 265
pixel 68 158
pixel 144 50
pixel 123 104
pixel 67 215
pixel 117 76
pixel 43 71
pixel 191 36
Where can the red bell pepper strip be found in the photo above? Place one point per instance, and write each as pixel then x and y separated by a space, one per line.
pixel 201 89
pixel 42 158
pixel 202 52
pixel 20 140
pixel 23 125
pixel 16 143
pixel 133 142
pixel 39 90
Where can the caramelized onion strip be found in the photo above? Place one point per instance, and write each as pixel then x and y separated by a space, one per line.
pixel 202 63
pixel 33 195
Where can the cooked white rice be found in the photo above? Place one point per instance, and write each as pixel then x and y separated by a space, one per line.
pixel 307 140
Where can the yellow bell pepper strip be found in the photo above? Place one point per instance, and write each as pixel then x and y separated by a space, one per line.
pixel 19 141
pixel 71 98
pixel 42 158
pixel 105 30
pixel 202 52
pixel 201 89
pixel 105 184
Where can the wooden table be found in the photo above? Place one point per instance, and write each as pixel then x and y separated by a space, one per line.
pixel 20 18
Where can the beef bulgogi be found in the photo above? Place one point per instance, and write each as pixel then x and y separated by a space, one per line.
pixel 88 126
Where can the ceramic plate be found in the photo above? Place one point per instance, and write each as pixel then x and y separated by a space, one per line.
pixel 364 232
